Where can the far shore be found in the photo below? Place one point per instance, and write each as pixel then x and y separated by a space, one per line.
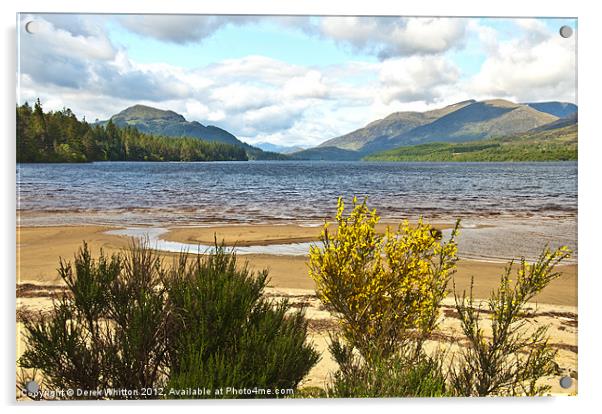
pixel 39 249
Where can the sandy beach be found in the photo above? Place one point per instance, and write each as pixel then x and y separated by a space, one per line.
pixel 245 235
pixel 38 250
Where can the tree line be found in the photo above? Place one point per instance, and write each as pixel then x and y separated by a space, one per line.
pixel 58 136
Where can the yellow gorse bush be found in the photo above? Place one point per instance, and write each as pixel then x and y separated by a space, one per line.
pixel 385 290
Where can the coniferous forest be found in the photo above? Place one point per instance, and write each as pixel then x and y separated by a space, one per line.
pixel 58 136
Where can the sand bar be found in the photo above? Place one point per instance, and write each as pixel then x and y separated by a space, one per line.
pixel 38 250
pixel 246 235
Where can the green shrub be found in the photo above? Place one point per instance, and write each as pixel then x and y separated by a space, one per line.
pixel 226 333
pixel 108 331
pixel 130 322
pixel 512 360
pixel 397 375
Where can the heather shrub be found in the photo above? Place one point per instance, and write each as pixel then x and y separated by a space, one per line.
pixel 225 333
pixel 397 375
pixel 130 322
pixel 108 331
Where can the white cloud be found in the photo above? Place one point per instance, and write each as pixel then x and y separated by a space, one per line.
pixel 416 78
pixel 310 85
pixel 53 55
pixel 385 36
pixel 93 44
pixel 539 65
pixel 272 118
pixel 179 29
pixel 239 96
pixel 395 36
pixel 260 98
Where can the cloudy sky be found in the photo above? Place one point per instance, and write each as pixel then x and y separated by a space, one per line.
pixel 289 80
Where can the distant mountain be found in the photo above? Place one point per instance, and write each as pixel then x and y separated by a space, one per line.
pixel 461 122
pixel 327 153
pixel 282 149
pixel 556 141
pixel 171 124
pixel 559 109
pixel 559 123
pixel 391 126
pixel 472 122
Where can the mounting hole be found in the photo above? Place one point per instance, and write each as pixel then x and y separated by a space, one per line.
pixel 566 382
pixel 32 387
pixel 32 27
pixel 566 31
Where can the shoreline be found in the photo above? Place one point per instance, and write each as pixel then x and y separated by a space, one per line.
pixel 184 217
pixel 39 249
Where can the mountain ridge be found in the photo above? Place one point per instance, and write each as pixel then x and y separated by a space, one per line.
pixel 463 121
pixel 395 123
pixel 550 144
pixel 282 149
pixel 155 121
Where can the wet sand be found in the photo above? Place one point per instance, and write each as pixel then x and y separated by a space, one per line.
pixel 38 250
pixel 259 235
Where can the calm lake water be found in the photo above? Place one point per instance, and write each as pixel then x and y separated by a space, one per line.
pixel 226 192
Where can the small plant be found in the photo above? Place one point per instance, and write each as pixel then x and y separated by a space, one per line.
pixel 397 375
pixel 129 322
pixel 512 360
pixel 385 291
pixel 108 331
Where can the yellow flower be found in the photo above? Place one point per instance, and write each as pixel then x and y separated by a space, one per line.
pixel 373 280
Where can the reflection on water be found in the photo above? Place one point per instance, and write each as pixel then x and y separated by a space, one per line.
pixel 498 241
pixel 153 235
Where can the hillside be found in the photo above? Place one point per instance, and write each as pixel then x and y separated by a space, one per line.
pixel 559 109
pixel 461 122
pixel 282 149
pixel 168 123
pixel 556 144
pixel 476 121
pixel 160 122
pixel 58 136
pixel 326 153
pixel 393 125
pixel 562 122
